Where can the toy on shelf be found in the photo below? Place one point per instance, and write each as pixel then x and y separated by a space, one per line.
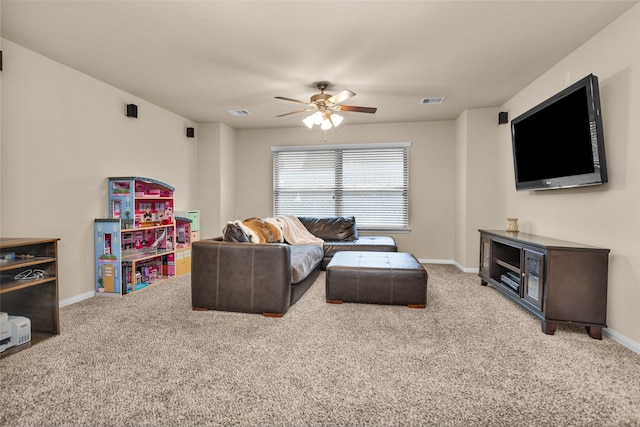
pixel 194 217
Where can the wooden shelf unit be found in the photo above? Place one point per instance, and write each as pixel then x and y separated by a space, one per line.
pixel 36 299
pixel 556 280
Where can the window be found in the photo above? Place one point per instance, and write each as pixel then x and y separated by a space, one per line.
pixel 368 181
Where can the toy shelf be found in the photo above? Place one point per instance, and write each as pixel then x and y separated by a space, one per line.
pixel 184 238
pixel 136 246
pixel 143 256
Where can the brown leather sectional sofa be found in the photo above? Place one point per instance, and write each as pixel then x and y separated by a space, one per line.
pixel 268 278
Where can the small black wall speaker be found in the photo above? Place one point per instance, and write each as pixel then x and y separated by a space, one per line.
pixel 503 117
pixel 191 132
pixel 132 110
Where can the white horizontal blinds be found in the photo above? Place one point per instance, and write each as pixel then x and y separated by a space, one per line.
pixel 304 183
pixel 374 187
pixel 369 183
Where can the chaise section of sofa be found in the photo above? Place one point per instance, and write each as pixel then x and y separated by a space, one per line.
pixel 264 278
pixel 340 233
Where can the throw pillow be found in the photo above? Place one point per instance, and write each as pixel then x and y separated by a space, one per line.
pixel 234 233
pixel 262 231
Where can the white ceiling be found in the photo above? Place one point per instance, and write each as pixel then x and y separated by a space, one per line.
pixel 200 59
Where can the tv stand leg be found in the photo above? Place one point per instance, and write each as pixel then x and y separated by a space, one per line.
pixel 549 328
pixel 594 332
pixel 483 282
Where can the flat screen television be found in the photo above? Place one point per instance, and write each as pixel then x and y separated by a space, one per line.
pixel 559 143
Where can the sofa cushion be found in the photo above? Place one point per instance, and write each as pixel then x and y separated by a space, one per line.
pixel 304 259
pixel 334 228
pixel 364 243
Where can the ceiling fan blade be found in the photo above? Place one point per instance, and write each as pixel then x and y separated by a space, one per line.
pixel 290 99
pixel 296 112
pixel 340 96
pixel 355 109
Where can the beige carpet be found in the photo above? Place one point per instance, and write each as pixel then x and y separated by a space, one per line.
pixel 471 358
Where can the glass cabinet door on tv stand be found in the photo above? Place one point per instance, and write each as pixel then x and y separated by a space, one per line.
pixel 532 277
pixel 485 255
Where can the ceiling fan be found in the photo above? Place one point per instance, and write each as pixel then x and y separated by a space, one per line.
pixel 323 105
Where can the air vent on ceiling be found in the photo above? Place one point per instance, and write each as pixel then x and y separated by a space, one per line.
pixel 239 112
pixel 433 100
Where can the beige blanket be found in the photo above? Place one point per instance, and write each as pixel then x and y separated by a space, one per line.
pixel 295 233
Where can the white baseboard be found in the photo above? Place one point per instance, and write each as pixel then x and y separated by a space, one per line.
pixel 450 261
pixel 622 340
pixel 467 269
pixel 77 298
pixel 435 261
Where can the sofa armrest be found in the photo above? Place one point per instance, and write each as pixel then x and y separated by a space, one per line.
pixel 245 277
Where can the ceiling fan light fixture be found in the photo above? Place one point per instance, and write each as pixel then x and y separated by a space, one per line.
pixel 323 105
pixel 325 119
pixel 308 121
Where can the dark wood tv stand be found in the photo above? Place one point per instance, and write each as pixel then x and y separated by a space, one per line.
pixel 557 281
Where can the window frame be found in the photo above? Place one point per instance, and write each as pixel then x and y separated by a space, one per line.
pixel 338 189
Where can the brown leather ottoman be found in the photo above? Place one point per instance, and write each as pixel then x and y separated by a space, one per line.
pixel 376 278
